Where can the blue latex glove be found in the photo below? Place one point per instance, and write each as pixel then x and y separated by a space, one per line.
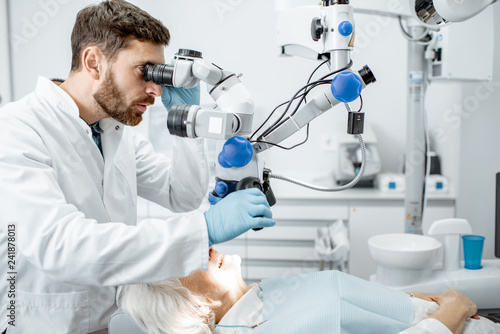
pixel 178 95
pixel 237 213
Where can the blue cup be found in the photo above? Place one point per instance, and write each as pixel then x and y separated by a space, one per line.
pixel 473 251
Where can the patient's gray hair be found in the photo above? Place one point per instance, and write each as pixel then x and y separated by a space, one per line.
pixel 167 308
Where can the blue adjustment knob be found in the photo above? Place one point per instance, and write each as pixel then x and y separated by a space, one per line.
pixel 213 199
pixel 345 28
pixel 236 152
pixel 221 188
pixel 346 87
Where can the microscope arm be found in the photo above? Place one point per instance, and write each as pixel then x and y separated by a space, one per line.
pixel 327 99
pixel 317 106
pixel 207 72
pixel 188 74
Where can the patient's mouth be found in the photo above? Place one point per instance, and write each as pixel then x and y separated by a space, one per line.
pixel 221 260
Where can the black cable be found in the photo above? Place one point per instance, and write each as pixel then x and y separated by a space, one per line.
pixel 321 82
pixel 361 103
pixel 317 68
pixel 337 71
pixel 296 96
pixel 274 110
pixel 304 141
pixel 296 108
pixel 268 117
pixel 282 147
pixel 328 81
pixel 280 121
pixel 307 88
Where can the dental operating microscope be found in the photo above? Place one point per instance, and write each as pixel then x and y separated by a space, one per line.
pixel 321 32
pixel 231 119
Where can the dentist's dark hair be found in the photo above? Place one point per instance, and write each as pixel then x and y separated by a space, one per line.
pixel 111 25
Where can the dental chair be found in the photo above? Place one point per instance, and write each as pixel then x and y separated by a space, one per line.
pixel 122 323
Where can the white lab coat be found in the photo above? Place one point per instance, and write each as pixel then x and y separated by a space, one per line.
pixel 75 213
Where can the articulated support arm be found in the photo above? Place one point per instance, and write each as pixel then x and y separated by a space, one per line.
pixel 345 87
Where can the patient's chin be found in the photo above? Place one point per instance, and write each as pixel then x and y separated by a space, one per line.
pixel 237 261
pixel 231 263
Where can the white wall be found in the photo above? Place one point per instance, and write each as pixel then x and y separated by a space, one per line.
pixel 239 36
pixel 40 39
pixel 5 89
pixel 480 158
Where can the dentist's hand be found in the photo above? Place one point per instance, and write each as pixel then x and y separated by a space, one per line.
pixel 176 95
pixel 236 214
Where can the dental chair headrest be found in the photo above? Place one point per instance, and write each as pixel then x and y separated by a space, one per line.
pixel 121 323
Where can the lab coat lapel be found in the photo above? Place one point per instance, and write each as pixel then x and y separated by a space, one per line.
pixel 78 153
pixel 110 138
pixel 120 180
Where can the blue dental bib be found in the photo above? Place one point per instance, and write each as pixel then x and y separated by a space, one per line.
pixel 332 302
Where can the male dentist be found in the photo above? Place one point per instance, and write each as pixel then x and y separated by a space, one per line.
pixel 71 169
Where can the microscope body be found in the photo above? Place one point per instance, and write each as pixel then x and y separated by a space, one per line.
pixel 318 32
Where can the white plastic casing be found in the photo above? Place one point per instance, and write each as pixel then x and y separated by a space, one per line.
pixel 458 11
pixel 451 229
pixel 466 50
pixel 294 30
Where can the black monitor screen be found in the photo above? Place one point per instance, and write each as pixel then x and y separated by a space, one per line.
pixel 497 217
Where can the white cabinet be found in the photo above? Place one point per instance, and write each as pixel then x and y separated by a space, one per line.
pixel 288 247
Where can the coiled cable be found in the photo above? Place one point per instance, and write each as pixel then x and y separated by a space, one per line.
pixel 326 189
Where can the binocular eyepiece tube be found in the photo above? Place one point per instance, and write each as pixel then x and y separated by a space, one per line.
pixel 160 74
pixel 191 121
pixel 177 121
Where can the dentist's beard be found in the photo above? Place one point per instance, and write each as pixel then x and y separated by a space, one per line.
pixel 111 100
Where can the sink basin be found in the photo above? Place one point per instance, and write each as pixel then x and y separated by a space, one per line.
pixel 403 250
pixel 403 258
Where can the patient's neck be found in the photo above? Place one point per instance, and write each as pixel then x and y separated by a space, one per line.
pixel 229 299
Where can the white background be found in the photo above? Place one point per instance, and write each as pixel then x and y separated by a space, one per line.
pixel 239 35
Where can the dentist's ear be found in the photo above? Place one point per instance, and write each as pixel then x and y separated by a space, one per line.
pixel 92 60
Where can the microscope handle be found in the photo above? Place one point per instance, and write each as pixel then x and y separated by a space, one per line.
pixel 250 182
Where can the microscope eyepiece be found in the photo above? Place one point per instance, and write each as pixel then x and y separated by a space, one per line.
pixel 367 75
pixel 163 74
pixel 160 74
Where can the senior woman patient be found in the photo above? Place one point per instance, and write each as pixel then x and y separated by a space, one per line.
pixel 219 301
